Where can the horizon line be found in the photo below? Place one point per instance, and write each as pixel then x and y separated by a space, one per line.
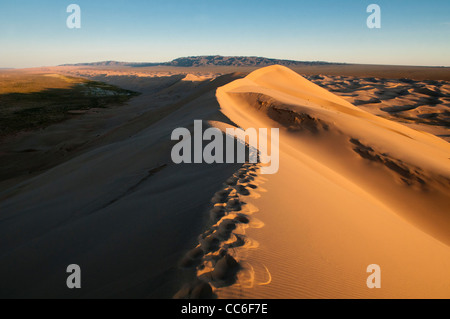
pixel 224 56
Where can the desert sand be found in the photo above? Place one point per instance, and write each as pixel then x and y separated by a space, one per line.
pixel 359 184
pixel 353 190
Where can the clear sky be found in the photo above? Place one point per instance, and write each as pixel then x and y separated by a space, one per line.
pixel 413 32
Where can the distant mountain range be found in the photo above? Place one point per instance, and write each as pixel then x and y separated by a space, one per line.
pixel 217 60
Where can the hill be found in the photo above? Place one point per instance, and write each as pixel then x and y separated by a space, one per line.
pixel 217 60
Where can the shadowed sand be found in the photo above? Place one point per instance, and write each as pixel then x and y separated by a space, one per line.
pixel 353 189
pixel 118 207
pixel 422 105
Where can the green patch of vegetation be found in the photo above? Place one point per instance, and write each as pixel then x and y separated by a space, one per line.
pixel 51 100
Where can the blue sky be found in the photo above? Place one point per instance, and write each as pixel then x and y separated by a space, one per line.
pixel 414 32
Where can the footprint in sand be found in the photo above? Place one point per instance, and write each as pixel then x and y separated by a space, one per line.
pixel 212 258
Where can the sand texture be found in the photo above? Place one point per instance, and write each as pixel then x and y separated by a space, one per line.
pixel 364 178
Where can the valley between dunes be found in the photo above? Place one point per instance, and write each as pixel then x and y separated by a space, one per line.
pixel 353 189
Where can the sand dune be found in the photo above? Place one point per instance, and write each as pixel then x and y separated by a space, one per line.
pixel 119 208
pixel 353 189
pixel 422 105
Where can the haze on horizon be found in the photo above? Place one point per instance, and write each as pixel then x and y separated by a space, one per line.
pixel 413 33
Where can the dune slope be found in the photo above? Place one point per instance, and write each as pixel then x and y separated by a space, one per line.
pixel 121 210
pixel 352 190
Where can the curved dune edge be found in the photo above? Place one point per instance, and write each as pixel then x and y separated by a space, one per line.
pixel 353 190
pixel 225 241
